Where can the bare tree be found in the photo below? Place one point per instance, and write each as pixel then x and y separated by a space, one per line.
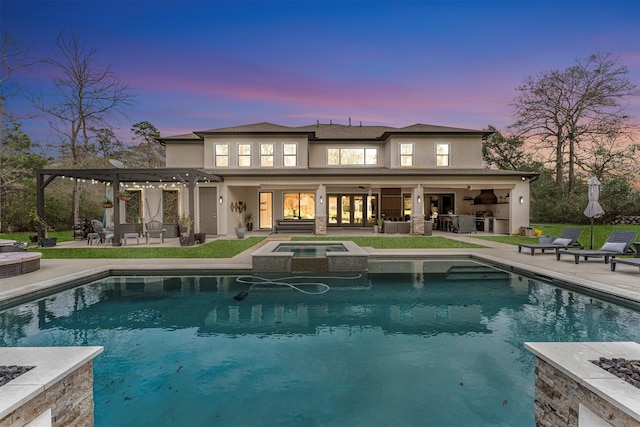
pixel 563 109
pixel 86 96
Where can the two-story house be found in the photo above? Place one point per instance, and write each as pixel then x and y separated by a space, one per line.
pixel 347 176
pixel 335 176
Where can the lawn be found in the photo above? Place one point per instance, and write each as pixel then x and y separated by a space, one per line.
pixel 223 248
pixel 600 234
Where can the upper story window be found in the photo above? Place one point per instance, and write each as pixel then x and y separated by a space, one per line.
pixel 244 155
pixel 266 154
pixel 222 154
pixel 352 156
pixel 406 154
pixel 290 154
pixel 443 154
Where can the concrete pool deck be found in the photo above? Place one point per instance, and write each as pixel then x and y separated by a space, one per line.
pixel 593 275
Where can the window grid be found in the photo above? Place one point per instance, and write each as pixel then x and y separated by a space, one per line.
pixel 352 156
pixel 290 155
pixel 244 155
pixel 406 154
pixel 443 155
pixel 266 154
pixel 222 155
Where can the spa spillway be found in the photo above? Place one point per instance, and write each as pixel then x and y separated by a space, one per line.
pixel 309 256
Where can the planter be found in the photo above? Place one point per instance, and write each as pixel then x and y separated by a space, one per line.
pixel 107 205
pixel 124 198
pixel 48 242
pixel 375 229
pixel 249 226
pixel 240 232
pixel 184 240
pixel 200 237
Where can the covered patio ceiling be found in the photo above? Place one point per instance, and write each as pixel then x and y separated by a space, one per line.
pixel 115 176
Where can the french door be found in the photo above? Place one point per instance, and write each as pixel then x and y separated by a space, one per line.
pixel 352 210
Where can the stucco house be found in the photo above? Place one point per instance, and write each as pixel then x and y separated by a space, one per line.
pixel 347 176
pixel 327 175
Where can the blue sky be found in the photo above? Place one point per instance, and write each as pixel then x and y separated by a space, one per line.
pixel 196 65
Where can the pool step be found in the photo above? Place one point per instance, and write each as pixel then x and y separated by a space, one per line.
pixel 475 272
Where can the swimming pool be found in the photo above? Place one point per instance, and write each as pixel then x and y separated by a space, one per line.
pixel 420 343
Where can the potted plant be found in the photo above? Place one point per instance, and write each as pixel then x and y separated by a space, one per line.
pixel 46 241
pixel 124 195
pixel 378 227
pixel 185 222
pixel 248 217
pixel 107 203
pixel 239 208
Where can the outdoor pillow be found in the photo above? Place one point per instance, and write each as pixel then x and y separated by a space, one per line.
pixel 613 247
pixel 561 242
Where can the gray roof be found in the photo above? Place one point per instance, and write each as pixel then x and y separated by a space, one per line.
pixel 330 131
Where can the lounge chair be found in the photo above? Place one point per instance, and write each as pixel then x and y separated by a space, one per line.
pixel 618 243
pixel 154 229
pixel 628 261
pixel 568 239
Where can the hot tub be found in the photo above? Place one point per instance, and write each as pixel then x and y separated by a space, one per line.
pixel 309 256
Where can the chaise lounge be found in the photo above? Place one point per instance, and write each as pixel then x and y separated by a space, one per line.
pixel 628 261
pixel 618 243
pixel 568 239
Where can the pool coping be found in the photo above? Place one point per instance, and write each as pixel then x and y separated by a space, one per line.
pixel 51 364
pixel 242 263
pixel 575 361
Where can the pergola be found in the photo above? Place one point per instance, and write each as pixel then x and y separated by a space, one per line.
pixel 188 177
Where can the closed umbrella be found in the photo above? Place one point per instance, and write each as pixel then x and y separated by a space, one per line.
pixel 593 210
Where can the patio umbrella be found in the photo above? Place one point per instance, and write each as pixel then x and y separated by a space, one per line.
pixel 593 210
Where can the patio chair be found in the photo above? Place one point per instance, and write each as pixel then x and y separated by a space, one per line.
pixel 568 239
pixel 618 243
pixel 104 236
pixel 154 229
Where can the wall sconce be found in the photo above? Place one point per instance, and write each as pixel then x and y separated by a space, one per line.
pixel 521 200
pixel 221 200
pixel 419 199
pixel 321 200
pixel 524 178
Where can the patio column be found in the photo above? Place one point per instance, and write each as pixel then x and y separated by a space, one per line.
pixel 321 210
pixel 417 211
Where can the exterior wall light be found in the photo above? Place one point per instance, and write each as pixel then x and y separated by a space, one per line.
pixel 221 200
pixel 521 200
pixel 321 200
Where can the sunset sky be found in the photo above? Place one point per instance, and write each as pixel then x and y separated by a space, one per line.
pixel 196 65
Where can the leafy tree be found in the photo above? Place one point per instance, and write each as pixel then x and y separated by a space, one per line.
pixel 107 144
pixel 507 152
pixel 148 152
pixel 562 109
pixel 16 159
pixel 19 164
pixel 86 96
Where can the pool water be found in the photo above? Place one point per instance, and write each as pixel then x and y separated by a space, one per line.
pixel 402 348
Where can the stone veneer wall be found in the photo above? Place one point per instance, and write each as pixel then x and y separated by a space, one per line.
pixel 70 401
pixel 558 399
